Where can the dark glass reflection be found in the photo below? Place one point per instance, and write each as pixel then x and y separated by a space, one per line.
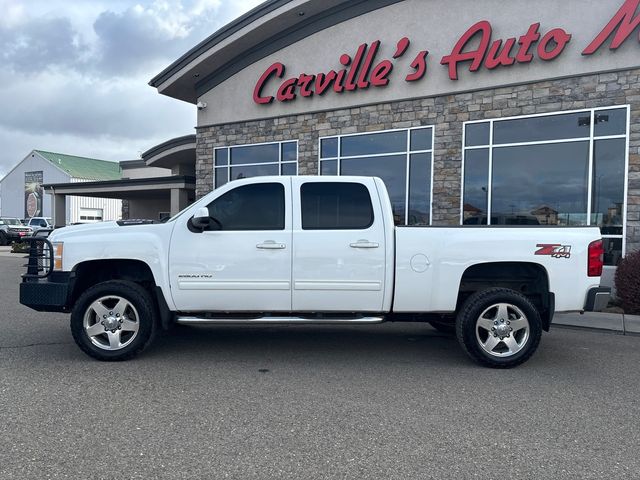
pixel 421 139
pixel 534 129
pixel 336 206
pixel 419 189
pixel 222 176
pixel 611 122
pixel 289 169
pixel 476 179
pixel 329 167
pixel 255 154
pixel 289 152
pixel 222 157
pixel 251 207
pixel 329 148
pixel 374 144
pixel 540 184
pixel 477 134
pixel 238 173
pixel 612 251
pixel 608 182
pixel 391 169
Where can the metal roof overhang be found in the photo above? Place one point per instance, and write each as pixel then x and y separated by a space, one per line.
pixel 157 187
pixel 177 151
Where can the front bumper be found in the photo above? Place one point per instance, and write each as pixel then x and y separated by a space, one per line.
pixel 17 236
pixel 50 294
pixel 597 299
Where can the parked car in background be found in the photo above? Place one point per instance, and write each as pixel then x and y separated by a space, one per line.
pixel 40 223
pixel 12 230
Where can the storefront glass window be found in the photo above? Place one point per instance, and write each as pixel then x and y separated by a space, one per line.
pixel 403 159
pixel 563 169
pixel 246 161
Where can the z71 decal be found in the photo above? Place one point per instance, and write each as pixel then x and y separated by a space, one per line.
pixel 554 250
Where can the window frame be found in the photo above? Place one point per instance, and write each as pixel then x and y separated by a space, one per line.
pixel 592 138
pixel 407 153
pixel 229 166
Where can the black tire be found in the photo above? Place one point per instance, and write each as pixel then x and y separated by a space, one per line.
pixel 138 297
pixel 470 334
pixel 3 239
pixel 448 328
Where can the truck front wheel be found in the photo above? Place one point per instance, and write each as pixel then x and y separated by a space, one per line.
pixel 499 328
pixel 113 320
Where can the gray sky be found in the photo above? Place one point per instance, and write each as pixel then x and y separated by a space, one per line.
pixel 74 73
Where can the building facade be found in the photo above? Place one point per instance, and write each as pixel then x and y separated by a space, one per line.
pixel 473 113
pixel 23 194
pixel 154 187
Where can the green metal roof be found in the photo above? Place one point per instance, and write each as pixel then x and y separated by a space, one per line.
pixel 82 167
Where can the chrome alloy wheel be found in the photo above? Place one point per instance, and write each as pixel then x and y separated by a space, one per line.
pixel 502 330
pixel 111 322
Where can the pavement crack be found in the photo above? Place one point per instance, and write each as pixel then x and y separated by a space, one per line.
pixel 43 344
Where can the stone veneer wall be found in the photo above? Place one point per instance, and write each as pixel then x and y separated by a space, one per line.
pixel 447 114
pixel 125 209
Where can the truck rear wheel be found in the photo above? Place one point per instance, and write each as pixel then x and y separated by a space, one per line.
pixel 113 320
pixel 499 328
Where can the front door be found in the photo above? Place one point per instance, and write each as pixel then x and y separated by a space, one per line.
pixel 243 261
pixel 339 247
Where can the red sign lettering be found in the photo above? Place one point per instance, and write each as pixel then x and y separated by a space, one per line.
pixel 476 47
pixel 497 55
pixel 623 24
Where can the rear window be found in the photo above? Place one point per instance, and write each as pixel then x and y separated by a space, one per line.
pixel 336 206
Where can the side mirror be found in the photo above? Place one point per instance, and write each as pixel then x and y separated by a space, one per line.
pixel 201 219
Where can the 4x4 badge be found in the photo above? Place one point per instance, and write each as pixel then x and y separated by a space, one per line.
pixel 554 250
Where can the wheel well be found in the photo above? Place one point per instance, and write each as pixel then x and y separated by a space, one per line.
pixel 93 272
pixel 530 279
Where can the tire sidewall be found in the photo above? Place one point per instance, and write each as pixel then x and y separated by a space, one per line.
pixel 478 303
pixel 134 294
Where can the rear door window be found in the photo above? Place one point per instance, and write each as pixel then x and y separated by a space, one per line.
pixel 336 206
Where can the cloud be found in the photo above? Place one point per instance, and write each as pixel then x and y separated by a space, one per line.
pixel 74 74
pixel 140 37
pixel 35 45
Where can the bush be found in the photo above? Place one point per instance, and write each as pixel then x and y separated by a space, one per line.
pixel 628 283
pixel 20 247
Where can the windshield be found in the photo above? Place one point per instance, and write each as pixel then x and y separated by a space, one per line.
pixel 10 221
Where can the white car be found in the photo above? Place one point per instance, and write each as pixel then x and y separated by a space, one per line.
pixel 281 250
pixel 40 223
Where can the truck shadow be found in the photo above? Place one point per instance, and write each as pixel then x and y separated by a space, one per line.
pixel 380 343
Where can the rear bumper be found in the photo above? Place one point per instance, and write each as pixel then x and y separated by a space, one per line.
pixel 50 294
pixel 597 299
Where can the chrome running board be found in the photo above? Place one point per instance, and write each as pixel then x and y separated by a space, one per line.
pixel 278 320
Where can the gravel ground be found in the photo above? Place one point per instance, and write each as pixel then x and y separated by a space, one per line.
pixel 382 402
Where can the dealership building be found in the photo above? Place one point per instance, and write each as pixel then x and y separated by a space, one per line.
pixel 473 113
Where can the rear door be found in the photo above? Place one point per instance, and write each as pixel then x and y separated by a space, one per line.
pixel 339 247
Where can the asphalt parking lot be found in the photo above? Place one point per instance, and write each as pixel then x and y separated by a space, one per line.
pixel 380 402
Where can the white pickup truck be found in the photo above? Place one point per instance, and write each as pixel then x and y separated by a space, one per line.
pixel 312 250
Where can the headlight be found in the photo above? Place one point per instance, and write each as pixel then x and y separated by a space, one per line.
pixel 58 248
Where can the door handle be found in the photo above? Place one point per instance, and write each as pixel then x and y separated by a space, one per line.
pixel 364 244
pixel 271 245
